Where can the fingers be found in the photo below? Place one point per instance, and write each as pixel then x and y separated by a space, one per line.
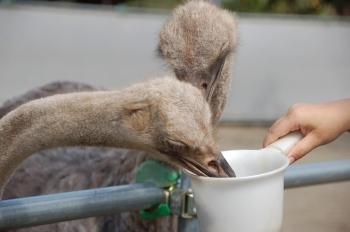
pixel 304 146
pixel 280 128
pixel 271 134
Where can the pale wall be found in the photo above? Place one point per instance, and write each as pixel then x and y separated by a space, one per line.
pixel 280 61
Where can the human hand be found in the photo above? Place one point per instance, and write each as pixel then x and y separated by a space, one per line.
pixel 319 123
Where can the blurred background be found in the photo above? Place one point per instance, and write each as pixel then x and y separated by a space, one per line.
pixel 290 51
pixel 314 7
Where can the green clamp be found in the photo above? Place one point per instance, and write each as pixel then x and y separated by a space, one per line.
pixel 161 211
pixel 163 176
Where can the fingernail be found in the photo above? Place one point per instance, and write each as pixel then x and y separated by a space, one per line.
pixel 291 160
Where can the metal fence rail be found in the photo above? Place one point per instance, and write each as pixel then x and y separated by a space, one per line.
pixel 316 173
pixel 31 211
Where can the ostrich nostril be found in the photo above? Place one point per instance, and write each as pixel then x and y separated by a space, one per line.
pixel 213 165
pixel 221 167
pixel 204 86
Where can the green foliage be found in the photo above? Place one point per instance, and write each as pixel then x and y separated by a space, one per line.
pixel 163 4
pixel 326 7
pixel 284 6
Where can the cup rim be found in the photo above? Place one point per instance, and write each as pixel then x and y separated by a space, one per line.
pixel 258 176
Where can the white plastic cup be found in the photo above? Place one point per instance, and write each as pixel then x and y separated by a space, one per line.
pixel 250 202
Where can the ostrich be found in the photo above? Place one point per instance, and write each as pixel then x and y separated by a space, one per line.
pixel 165 117
pixel 77 168
pixel 67 169
pixel 198 42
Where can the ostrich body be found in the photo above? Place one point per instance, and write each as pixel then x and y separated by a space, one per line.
pixel 198 42
pixel 45 91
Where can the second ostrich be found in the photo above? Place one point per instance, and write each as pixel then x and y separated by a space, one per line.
pixel 198 42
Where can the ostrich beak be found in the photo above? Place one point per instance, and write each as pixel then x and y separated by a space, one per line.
pixel 214 79
pixel 219 164
pixel 226 167
pixel 207 83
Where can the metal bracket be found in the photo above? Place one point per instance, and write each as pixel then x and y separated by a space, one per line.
pixel 188 206
pixel 182 203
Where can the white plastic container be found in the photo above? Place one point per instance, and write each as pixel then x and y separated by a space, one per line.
pixel 250 202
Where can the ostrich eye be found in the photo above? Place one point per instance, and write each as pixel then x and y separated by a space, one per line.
pixel 174 145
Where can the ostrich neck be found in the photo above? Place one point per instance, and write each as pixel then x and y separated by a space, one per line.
pixel 88 119
pixel 220 95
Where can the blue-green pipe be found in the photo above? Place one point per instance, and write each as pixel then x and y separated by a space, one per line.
pixel 317 173
pixel 32 211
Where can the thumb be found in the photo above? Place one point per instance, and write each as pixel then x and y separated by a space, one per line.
pixel 304 146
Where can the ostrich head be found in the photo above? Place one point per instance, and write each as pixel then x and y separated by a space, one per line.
pixel 198 42
pixel 174 124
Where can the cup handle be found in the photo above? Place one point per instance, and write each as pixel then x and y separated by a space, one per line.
pixel 287 142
